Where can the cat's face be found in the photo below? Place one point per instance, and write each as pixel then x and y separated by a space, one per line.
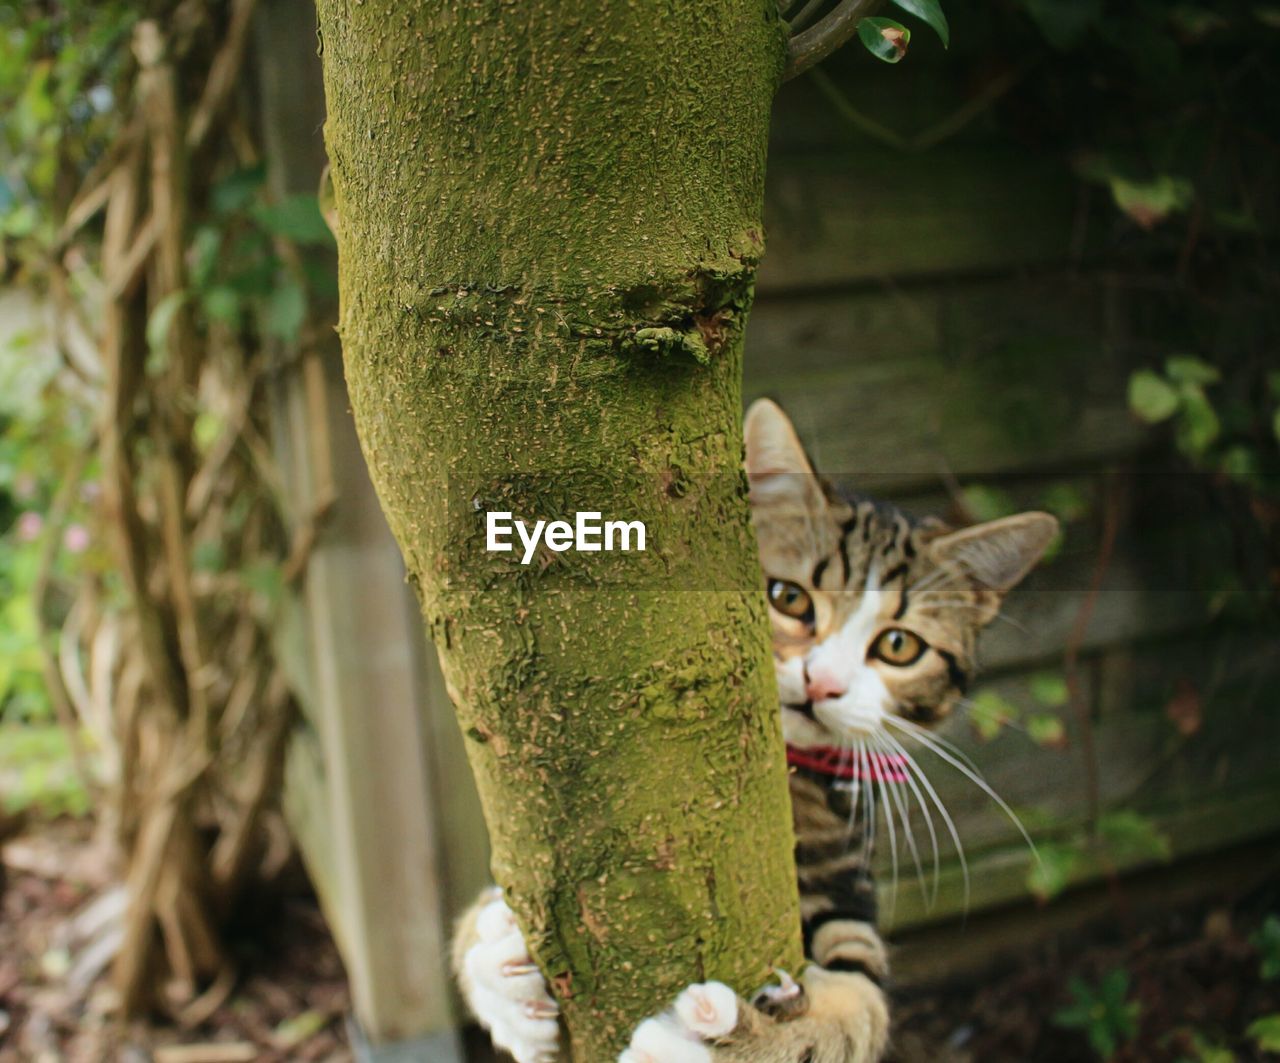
pixel 874 616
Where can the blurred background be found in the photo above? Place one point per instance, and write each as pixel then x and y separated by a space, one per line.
pixel 1036 269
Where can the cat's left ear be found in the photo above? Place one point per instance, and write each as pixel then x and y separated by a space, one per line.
pixel 999 553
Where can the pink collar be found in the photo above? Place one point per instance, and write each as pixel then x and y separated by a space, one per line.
pixel 844 764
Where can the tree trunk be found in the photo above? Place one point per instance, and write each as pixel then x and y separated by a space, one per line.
pixel 549 222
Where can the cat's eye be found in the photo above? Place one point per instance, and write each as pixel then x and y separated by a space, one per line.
pixel 898 647
pixel 790 599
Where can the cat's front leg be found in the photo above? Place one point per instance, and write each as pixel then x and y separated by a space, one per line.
pixel 502 985
pixel 845 1020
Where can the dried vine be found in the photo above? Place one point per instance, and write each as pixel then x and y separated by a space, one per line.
pixel 167 662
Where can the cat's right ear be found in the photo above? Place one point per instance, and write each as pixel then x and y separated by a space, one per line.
pixel 778 469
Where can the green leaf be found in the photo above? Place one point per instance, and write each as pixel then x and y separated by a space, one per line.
pixel 1049 688
pixel 987 503
pixel 931 12
pixel 1267 941
pixel 158 326
pixel 204 255
pixel 1149 202
pixel 296 218
pixel 237 190
pixel 1130 836
pixel 1266 1032
pixel 1064 22
pixel 1198 425
pixel 1065 501
pixel 989 712
pixel 1050 874
pixel 222 304
pixel 884 38
pixel 1188 369
pixel 1152 397
pixel 286 310
pixel 1046 730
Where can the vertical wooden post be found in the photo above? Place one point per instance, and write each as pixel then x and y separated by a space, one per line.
pixel 378 759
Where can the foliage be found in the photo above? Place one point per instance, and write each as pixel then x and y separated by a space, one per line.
pixel 62 71
pixel 1121 838
pixel 1267 941
pixel 37 773
pixel 1103 1012
pixel 1266 1033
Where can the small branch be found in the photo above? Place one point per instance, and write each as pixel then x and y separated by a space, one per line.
pixel 815 44
pixel 805 15
pixel 934 134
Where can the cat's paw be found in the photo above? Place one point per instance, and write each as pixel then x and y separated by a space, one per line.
pixel 785 1001
pixel 704 1012
pixel 505 989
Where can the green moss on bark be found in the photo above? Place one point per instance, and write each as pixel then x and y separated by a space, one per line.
pixel 548 232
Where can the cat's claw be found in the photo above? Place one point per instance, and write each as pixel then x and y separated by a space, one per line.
pixel 507 991
pixel 704 1012
pixel 784 1001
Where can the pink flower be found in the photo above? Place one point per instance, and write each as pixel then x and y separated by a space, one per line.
pixel 29 526
pixel 76 538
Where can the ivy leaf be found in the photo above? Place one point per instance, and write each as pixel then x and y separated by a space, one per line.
pixel 221 304
pixel 1050 874
pixel 884 38
pixel 1049 688
pixel 1130 836
pixel 929 11
pixel 989 712
pixel 1152 397
pixel 235 191
pixel 1046 730
pixel 1198 426
pixel 158 326
pixel 987 503
pixel 1064 22
pixel 1188 369
pixel 1149 202
pixel 286 310
pixel 296 218
pixel 1266 1032
pixel 1267 942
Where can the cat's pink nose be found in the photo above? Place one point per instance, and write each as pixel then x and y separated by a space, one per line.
pixel 822 686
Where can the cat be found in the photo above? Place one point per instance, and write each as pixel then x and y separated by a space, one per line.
pixel 875 619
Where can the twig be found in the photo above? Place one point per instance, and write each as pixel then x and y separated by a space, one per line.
pixel 816 43
pixel 931 136
pixel 223 74
pixel 58 695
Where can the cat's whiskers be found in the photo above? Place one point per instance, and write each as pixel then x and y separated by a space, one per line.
pixel 930 899
pixel 877 778
pixel 900 802
pixel 926 736
pixel 932 743
pixel 869 816
pixel 912 766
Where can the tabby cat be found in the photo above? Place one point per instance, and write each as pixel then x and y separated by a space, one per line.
pixel 875 619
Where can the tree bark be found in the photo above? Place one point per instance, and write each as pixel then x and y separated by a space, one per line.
pixel 548 228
